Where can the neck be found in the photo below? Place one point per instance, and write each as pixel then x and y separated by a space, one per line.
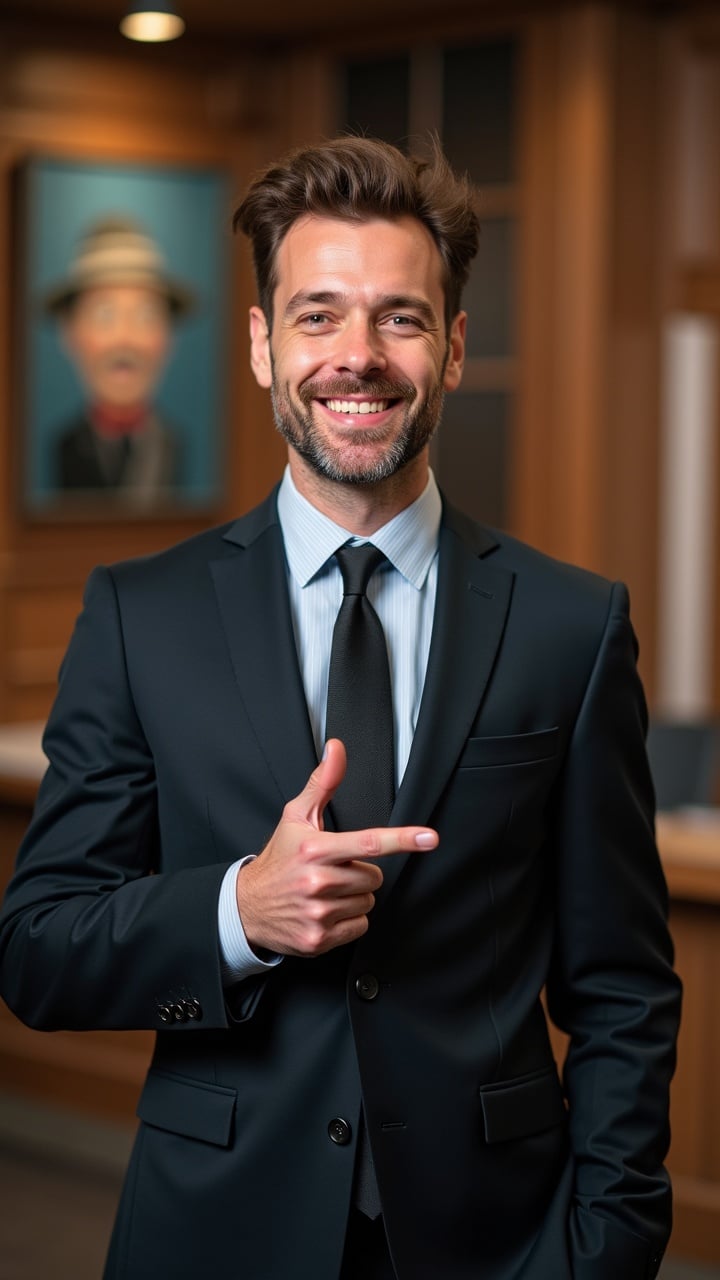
pixel 360 508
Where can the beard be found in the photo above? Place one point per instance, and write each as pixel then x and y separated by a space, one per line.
pixel 345 461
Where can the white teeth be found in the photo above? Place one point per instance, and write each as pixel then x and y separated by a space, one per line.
pixel 357 406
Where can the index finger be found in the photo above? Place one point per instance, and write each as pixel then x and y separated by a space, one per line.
pixel 376 842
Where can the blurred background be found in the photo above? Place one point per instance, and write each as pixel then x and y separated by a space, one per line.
pixel 587 422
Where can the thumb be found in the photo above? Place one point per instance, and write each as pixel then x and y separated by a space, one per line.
pixel 322 784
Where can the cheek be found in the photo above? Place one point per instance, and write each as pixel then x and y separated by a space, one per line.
pixel 425 374
pixel 154 346
pixel 89 348
pixel 295 362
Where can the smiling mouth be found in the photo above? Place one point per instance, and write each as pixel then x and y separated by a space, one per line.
pixel 358 406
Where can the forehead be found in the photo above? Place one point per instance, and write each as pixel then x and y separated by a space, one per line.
pixel 373 256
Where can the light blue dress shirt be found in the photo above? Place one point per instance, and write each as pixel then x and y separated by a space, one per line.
pixel 402 592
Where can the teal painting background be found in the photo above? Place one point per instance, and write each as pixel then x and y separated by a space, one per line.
pixel 188 213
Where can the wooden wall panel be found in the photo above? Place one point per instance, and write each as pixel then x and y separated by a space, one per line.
pixel 585 446
pixel 564 274
pixel 95 103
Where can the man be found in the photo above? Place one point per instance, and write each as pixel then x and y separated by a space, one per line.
pixel 353 1076
pixel 116 311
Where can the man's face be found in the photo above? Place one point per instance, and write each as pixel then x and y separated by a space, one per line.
pixel 118 338
pixel 359 356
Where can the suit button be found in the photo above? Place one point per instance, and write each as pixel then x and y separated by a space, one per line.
pixel 165 1013
pixel 178 1011
pixel 367 986
pixel 193 1008
pixel 339 1132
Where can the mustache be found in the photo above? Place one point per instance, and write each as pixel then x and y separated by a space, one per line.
pixel 355 389
pixel 124 357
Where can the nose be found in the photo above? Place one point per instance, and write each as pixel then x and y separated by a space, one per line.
pixel 359 349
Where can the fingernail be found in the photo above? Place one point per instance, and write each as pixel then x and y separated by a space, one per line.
pixel 426 840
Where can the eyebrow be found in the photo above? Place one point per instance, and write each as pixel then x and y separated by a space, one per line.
pixel 386 302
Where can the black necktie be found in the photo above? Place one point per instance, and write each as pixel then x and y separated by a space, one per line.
pixel 359 705
pixel 360 713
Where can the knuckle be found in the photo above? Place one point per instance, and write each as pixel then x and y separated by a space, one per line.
pixel 314 939
pixel 313 883
pixel 304 853
pixel 307 848
pixel 317 912
pixel 369 842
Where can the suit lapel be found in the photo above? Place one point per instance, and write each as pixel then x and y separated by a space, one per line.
pixel 471 608
pixel 251 588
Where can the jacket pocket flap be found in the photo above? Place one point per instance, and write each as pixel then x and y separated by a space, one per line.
pixel 516 748
pixel 518 1108
pixel 188 1107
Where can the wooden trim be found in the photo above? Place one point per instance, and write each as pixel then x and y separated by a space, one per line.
pixel 698 288
pixel 564 271
pixel 696 1219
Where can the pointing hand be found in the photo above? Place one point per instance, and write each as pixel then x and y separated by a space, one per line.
pixel 311 890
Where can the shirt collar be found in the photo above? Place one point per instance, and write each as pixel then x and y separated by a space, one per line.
pixel 409 540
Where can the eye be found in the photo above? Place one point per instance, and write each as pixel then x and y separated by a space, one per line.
pixel 401 321
pixel 315 320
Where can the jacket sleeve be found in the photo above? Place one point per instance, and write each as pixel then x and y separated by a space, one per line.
pixel 92 933
pixel 612 987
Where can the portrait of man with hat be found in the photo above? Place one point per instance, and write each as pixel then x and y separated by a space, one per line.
pixel 116 309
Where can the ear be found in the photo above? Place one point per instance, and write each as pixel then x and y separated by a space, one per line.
pixel 260 347
pixel 456 352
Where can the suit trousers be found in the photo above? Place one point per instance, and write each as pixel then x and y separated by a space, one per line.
pixel 366 1255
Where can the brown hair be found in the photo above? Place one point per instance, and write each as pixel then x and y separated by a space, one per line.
pixel 359 178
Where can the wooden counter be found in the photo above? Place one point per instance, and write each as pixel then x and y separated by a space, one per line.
pixel 101 1072
pixel 689 843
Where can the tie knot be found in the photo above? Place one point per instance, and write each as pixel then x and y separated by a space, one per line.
pixel 357 565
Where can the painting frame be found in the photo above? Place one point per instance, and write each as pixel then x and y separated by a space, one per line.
pixel 180 212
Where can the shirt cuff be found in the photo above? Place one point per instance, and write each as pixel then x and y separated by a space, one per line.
pixel 237 958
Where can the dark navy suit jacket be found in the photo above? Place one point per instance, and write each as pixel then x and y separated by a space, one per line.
pixel 179 732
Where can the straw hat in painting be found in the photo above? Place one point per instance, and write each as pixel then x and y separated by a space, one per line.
pixel 117 251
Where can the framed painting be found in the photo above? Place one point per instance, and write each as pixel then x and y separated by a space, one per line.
pixel 122 318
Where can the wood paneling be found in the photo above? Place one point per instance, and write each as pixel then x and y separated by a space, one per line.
pixel 117 107
pixel 585 448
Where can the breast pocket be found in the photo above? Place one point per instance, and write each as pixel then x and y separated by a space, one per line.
pixel 502 787
pixel 511 749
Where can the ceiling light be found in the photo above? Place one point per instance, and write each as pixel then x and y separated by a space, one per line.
pixel 152 22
